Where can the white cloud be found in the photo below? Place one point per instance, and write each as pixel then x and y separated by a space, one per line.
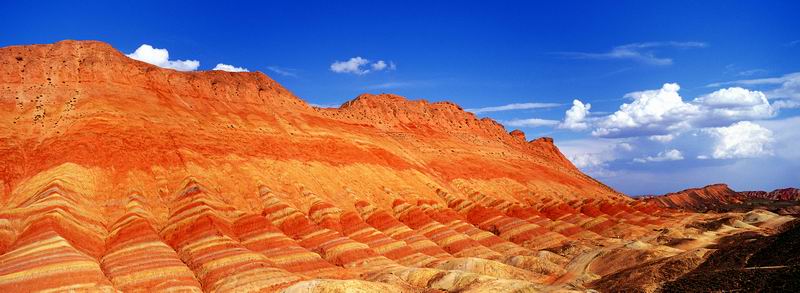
pixel 380 65
pixel 283 71
pixel 652 112
pixel 625 146
pixel 586 160
pixel 593 155
pixel 160 58
pixel 350 66
pixel 640 52
pixel 789 85
pixel 360 66
pixel 662 138
pixel 670 155
pixel 742 139
pixel 786 134
pixel 229 68
pixel 515 106
pixel 530 122
pixel 785 104
pixel 736 104
pixel 662 114
pixel 575 117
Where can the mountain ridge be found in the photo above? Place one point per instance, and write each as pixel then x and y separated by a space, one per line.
pixel 84 102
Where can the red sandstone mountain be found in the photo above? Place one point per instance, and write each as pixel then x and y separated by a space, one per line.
pixel 777 194
pixel 699 199
pixel 86 103
pixel 719 197
pixel 119 175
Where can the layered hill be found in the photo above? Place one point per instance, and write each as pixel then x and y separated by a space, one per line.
pixel 777 194
pixel 121 176
pixel 721 198
pixel 706 198
pixel 136 126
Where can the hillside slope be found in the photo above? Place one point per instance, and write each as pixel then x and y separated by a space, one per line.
pixel 777 194
pixel 133 126
pixel 698 199
pixel 118 175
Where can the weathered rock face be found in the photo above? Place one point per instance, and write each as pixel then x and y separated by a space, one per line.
pixel 699 199
pixel 777 194
pixel 118 175
pixel 137 126
pixel 720 198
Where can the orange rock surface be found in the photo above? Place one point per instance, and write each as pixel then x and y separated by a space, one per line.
pixel 119 175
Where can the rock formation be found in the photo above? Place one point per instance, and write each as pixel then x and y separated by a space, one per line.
pixel 119 175
pixel 720 198
pixel 699 199
pixel 777 194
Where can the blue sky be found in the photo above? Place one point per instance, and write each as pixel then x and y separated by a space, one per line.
pixel 682 93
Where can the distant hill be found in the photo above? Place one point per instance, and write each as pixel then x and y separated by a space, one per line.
pixel 721 198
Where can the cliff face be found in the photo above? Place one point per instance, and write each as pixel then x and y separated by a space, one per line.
pixel 134 126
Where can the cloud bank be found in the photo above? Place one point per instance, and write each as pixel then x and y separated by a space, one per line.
pixel 160 58
pixel 361 66
pixel 229 68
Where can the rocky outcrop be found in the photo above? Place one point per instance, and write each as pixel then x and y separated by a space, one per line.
pixel 777 194
pixel 720 198
pixel 710 197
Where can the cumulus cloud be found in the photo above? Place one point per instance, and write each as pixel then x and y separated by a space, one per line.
pixel 669 155
pixel 229 68
pixel 530 122
pixel 574 118
pixel 742 139
pixel 515 106
pixel 652 112
pixel 662 113
pixel 735 104
pixel 640 52
pixel 160 58
pixel 381 65
pixel 587 160
pixel 354 66
pixel 594 155
pixel 788 85
pixel 361 66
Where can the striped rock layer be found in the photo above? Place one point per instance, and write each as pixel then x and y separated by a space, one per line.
pixel 57 240
pixel 119 176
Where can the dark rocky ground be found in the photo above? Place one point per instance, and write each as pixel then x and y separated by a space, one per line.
pixel 744 262
pixel 748 262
